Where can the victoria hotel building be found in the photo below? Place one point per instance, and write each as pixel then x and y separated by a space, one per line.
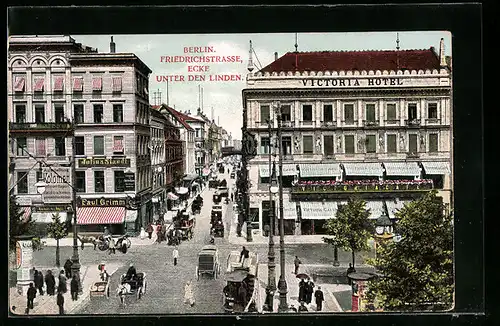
pixel 377 124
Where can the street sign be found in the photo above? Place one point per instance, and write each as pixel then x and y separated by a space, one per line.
pixel 129 182
pixel 58 188
pixel 24 201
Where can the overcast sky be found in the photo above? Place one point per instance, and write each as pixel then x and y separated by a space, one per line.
pixel 225 97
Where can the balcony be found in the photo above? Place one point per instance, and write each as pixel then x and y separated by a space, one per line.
pixel 432 121
pixel 413 123
pixel 328 124
pixel 392 121
pixel 287 124
pixel 307 123
pixel 40 126
pixel 370 124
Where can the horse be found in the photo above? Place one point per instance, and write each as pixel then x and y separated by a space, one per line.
pixel 87 239
pixel 122 291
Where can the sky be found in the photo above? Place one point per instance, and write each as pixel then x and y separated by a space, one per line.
pixel 225 97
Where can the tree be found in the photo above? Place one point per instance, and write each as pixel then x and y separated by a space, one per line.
pixel 351 228
pixel 57 230
pixel 17 225
pixel 418 270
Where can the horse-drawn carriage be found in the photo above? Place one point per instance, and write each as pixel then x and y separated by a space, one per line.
pixel 208 262
pixel 241 291
pixel 216 224
pixel 187 227
pixel 196 205
pixel 132 287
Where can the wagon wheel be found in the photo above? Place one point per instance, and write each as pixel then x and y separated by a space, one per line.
pixel 129 243
pixel 107 291
pixel 197 274
pixel 103 246
pixel 139 292
pixel 215 273
pixel 144 287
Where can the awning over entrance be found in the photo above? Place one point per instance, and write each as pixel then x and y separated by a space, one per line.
pixel 26 213
pixel 394 205
pixel 289 210
pixel 172 196
pixel 319 170
pixel 317 210
pixel 376 208
pixel 288 170
pixel 363 169
pixel 100 215
pixel 46 217
pixel 437 168
pixel 181 190
pixel 130 216
pixel 402 168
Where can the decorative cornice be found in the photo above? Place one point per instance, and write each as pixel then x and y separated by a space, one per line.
pixel 281 74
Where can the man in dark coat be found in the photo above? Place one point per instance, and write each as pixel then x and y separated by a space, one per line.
pixel 60 302
pixel 244 254
pixel 67 268
pixel 302 290
pixel 31 294
pixel 309 292
pixel 74 288
pixel 50 281
pixel 149 230
pixel 318 295
pixel 62 287
pixel 38 279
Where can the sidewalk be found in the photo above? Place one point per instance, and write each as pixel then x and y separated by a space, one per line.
pixel 46 305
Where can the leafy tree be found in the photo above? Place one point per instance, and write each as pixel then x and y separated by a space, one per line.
pixel 418 270
pixel 17 225
pixel 351 228
pixel 57 230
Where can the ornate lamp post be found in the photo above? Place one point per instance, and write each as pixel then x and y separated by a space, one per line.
pixel 382 230
pixel 271 266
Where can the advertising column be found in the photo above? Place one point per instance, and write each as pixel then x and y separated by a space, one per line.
pixel 24 262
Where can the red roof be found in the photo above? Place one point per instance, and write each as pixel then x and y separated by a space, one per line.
pixel 356 60
pixel 181 117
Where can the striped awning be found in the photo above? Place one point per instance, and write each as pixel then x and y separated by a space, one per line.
pixel 288 170
pixel 319 170
pixel 46 217
pixel 363 169
pixel 100 215
pixel 394 205
pixel 289 210
pixel 19 84
pixel 78 84
pixel 437 168
pixel 26 213
pixel 39 84
pixel 402 168
pixel 130 215
pixel 59 84
pixel 97 84
pixel 317 210
pixel 376 208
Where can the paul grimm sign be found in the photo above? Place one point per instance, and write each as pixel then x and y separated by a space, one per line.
pixel 352 82
pixel 103 162
pixel 102 202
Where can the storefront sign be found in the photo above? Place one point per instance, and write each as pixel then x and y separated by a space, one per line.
pixel 51 208
pixel 58 188
pixel 24 201
pixel 361 188
pixel 103 162
pixel 353 82
pixel 129 181
pixel 102 202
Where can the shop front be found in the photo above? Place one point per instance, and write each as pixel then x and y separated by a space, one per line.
pixel 315 214
pixel 93 214
pixel 43 216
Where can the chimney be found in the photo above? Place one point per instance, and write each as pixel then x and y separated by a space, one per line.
pixel 112 46
pixel 275 56
pixel 442 58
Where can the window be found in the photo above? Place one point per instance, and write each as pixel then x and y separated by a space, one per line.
pixel 78 113
pixel 308 144
pixel 432 111
pixel 98 145
pixel 58 113
pixel 391 143
pixel 78 84
pixel 19 83
pixel 22 146
pixel 391 111
pixel 58 84
pixel 80 145
pixel 286 145
pixel 286 113
pixel 119 181
pixel 117 113
pixel 264 113
pixel 117 84
pixel 371 144
pixel 307 113
pixel 328 144
pixel 349 113
pixel 370 112
pixel 412 111
pixel 117 144
pixel 433 143
pixel 40 147
pixel 20 113
pixel 99 181
pixel 327 112
pixel 60 146
pixel 349 144
pixel 98 113
pixel 39 176
pixel 22 182
pixel 413 144
pixel 197 133
pixel 39 113
pixel 80 181
pixel 264 145
pixel 96 84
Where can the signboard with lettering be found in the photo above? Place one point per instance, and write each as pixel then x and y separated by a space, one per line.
pixel 129 181
pixel 58 188
pixel 101 202
pixel 52 208
pixel 103 162
pixel 339 188
pixel 24 262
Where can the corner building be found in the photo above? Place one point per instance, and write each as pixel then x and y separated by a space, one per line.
pixel 377 124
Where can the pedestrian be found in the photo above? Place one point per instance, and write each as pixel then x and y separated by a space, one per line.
pixel 31 294
pixel 351 269
pixel 232 196
pixel 158 233
pixel 244 255
pixel 50 282
pixel 62 287
pixel 149 230
pixel 318 295
pixel 307 292
pixel 142 234
pixel 74 288
pixel 38 279
pixel 67 267
pixel 302 290
pixel 302 307
pixel 60 302
pixel 175 255
pixel 297 262
pixel 311 292
pixel 188 294
pixel 112 248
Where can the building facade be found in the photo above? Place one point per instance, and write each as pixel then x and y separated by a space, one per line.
pixel 160 131
pixel 374 123
pixel 201 153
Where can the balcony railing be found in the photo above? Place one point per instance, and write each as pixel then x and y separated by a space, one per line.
pixel 413 122
pixel 391 121
pixel 412 155
pixel 367 123
pixel 432 121
pixel 328 123
pixel 307 123
pixel 287 124
pixel 50 126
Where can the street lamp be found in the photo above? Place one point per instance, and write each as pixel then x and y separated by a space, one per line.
pixel 382 229
pixel 271 266
pixel 41 186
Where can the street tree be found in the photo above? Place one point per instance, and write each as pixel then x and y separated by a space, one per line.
pixel 350 229
pixel 417 271
pixel 57 230
pixel 17 224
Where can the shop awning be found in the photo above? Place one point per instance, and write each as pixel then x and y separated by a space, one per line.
pixel 288 170
pixel 289 210
pixel 437 168
pixel 172 196
pixel 317 210
pixel 181 190
pixel 26 213
pixel 130 215
pixel 363 169
pixel 319 170
pixel 402 168
pixel 46 217
pixel 394 205
pixel 376 208
pixel 100 215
